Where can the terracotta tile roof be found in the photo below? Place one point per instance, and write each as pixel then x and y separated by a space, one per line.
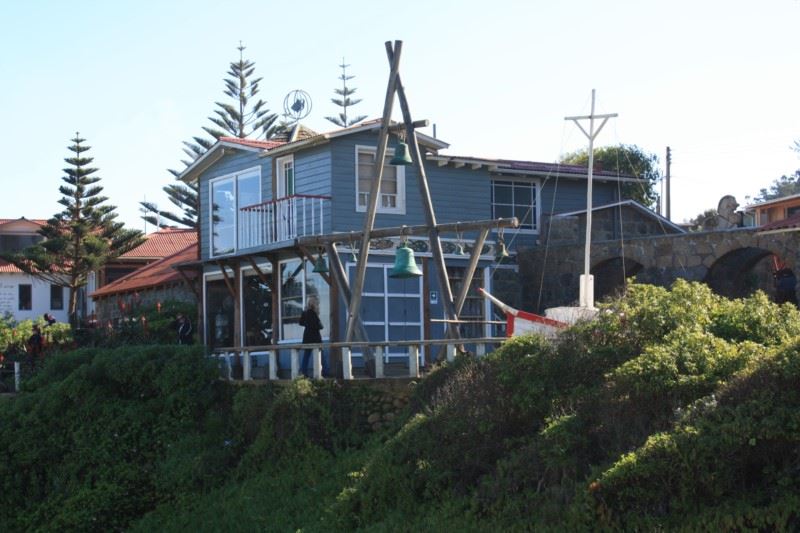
pixel 787 223
pixel 162 243
pixel 8 268
pixel 150 276
pixel 266 145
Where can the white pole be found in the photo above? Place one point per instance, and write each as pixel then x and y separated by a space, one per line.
pixel 587 284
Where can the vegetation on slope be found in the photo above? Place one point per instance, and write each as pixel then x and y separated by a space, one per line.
pixel 675 409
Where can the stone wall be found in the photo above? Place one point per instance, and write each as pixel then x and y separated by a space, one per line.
pixel 727 260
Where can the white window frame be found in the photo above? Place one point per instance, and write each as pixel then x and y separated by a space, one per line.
pixel 325 335
pixel 536 184
pixel 235 177
pixel 212 276
pixel 400 208
pixel 386 323
pixel 280 176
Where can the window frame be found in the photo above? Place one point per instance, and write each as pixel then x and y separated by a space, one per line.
pixel 535 184
pixel 234 176
pixel 324 318
pixel 30 297
pixel 61 298
pixel 280 176
pixel 400 207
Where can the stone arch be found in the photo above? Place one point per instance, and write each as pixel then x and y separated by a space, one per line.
pixel 610 275
pixel 741 271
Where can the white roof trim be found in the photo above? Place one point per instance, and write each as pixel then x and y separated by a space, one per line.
pixel 632 203
pixel 197 165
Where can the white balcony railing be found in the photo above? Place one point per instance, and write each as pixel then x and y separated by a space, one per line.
pixel 283 219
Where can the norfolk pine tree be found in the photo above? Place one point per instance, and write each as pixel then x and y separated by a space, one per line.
pixel 242 118
pixel 345 101
pixel 81 238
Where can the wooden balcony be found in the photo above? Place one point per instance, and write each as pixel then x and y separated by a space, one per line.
pixel 283 219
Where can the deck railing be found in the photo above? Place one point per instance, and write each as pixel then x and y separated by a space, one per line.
pixel 243 356
pixel 283 219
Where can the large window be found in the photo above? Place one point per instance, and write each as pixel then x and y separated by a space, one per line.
pixel 393 190
pixel 284 169
pixel 228 195
pixel 15 243
pixel 25 297
pixel 512 198
pixel 298 283
pixel 473 312
pixel 219 314
pixel 56 297
pixel 391 308
pixel 257 306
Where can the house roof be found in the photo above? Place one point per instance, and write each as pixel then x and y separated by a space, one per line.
pixel 162 243
pixel 773 201
pixel 786 224
pixel 155 274
pixel 367 125
pixel 634 205
pixel 533 168
pixel 8 268
pixel 37 221
pixel 252 143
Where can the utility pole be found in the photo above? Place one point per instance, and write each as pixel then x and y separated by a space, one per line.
pixel 669 164
pixel 587 282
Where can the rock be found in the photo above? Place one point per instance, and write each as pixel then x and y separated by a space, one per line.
pixel 374 417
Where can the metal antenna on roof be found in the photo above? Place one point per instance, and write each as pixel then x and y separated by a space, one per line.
pixel 296 106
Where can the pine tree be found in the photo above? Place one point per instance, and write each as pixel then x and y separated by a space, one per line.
pixel 345 101
pixel 243 118
pixel 82 237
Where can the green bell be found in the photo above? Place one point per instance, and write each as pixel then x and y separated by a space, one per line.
pixel 460 249
pixel 320 265
pixel 401 155
pixel 404 264
pixel 502 252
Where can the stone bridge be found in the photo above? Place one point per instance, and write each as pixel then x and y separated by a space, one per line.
pixel 733 262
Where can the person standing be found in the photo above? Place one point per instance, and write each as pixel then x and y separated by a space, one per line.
pixel 184 329
pixel 35 345
pixel 311 330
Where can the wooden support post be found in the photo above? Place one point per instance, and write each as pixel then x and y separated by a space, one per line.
pixel 427 205
pixel 316 359
pixel 413 361
pixel 340 276
pixel 246 366
pixel 470 272
pixel 369 219
pixel 379 362
pixel 273 365
pixel 295 356
pixel 451 353
pixel 347 364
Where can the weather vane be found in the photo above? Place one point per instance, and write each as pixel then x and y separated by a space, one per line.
pixel 296 105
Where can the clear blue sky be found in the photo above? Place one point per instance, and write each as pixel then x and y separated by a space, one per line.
pixel 718 81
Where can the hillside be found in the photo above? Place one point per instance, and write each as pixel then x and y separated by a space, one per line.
pixel 675 410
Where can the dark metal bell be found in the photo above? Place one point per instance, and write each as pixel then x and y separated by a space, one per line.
pixel 320 265
pixel 404 264
pixel 401 155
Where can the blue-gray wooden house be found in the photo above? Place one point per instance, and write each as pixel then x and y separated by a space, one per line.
pixel 258 197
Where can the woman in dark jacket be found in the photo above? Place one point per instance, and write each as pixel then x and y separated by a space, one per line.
pixel 312 327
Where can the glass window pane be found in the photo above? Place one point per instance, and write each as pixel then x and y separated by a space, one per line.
pixel 316 286
pixel 249 190
pixel 523 214
pixel 373 279
pixel 404 310
pixel 372 309
pixel 257 310
pixel 291 299
pixel 219 314
pixel 223 216
pixel 56 297
pixel 502 194
pixel 503 211
pixel 522 194
pixel 25 297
